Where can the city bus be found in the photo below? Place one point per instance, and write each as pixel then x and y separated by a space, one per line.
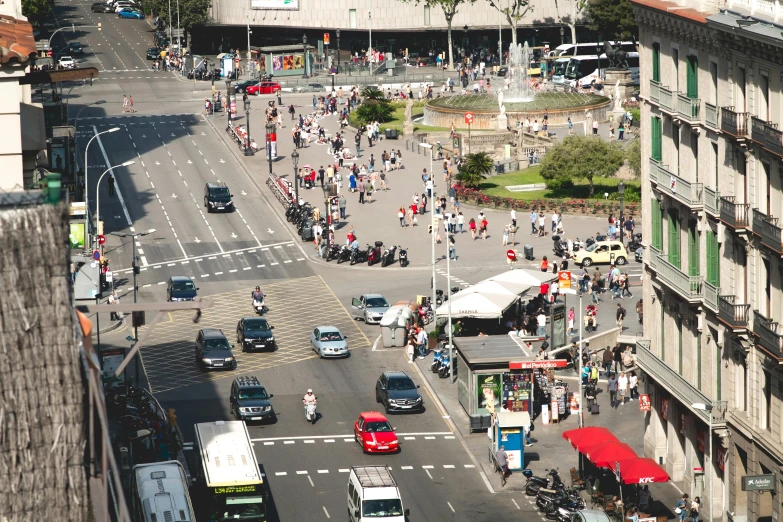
pixel 159 492
pixel 587 49
pixel 584 70
pixel 226 467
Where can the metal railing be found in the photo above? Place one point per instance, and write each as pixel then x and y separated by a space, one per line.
pixel 733 122
pixel 711 201
pixel 675 186
pixel 768 332
pixel 767 228
pixel 734 214
pixel 654 255
pixel 677 386
pixel 733 314
pixel 689 287
pixel 767 134
pixel 711 296
pixel 711 115
pixel 687 107
pixel 663 96
pixel 757 129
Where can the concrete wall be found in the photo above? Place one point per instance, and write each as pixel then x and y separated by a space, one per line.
pixel 11 168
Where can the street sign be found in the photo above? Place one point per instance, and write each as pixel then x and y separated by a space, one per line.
pixel 177 32
pixel 644 402
pixel 326 38
pixel 758 482
pixel 469 118
pixel 511 254
pixel 96 255
pixel 617 470
pixel 564 279
pixel 101 240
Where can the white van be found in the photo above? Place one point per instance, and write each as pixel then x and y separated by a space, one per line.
pixel 373 493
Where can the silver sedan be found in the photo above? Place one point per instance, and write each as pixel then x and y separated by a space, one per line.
pixel 327 341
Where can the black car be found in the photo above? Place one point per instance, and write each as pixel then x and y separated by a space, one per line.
pixel 153 53
pixel 213 350
pixel 217 197
pixel 75 48
pixel 180 288
pixel 243 85
pixel 254 333
pixel 101 8
pixel 250 400
pixel 397 392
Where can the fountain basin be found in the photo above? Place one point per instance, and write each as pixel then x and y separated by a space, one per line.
pixel 443 112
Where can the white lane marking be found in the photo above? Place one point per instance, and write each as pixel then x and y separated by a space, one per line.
pixel 218 273
pixel 448 466
pixel 116 187
pixel 145 286
pixel 515 503
pixel 427 467
pixel 429 438
pixel 348 436
pixel 309 442
pixel 329 440
pixel 348 440
pixel 449 437
pixel 144 260
pixel 375 344
pixel 162 283
pixel 273 264
pixel 247 268
pixel 232 271
pixel 469 466
pixel 429 474
pixel 310 479
pixel 326 512
pixel 406 467
pixel 343 470
pixel 410 438
pixel 451 507
pixel 171 264
pixel 269 443
pixel 301 472
pixel 323 471
pixel 281 473
pixel 286 441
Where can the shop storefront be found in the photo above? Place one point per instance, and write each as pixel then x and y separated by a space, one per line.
pixel 285 60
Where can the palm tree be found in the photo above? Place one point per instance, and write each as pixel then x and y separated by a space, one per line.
pixel 476 167
pixel 373 94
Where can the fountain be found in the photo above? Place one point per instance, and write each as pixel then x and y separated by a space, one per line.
pixel 514 99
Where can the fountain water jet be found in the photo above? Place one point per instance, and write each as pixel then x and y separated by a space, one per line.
pixel 519 88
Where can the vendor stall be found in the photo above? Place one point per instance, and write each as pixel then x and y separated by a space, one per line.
pixel 509 431
pixel 499 374
pixel 286 60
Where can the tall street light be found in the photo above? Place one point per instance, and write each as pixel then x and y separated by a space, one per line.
pixel 228 102
pixel 369 17
pixel 304 47
pixel 86 180
pixel 136 270
pixel 98 189
pixel 295 159
pixel 248 148
pixel 328 215
pixel 621 191
pixel 433 230
pixel 338 56
pixel 270 130
pixel 708 468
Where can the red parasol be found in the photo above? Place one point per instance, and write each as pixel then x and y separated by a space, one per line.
pixel 589 436
pixel 605 454
pixel 641 471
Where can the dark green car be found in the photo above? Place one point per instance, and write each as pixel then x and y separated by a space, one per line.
pixel 153 53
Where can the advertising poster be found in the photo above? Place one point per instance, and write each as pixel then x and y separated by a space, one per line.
pixel 76 236
pixel 489 393
pixel 277 63
pixel 289 5
pixel 288 62
pixel 58 159
pixel 299 62
pixel 262 62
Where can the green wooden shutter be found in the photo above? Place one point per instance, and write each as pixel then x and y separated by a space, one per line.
pixel 693 77
pixel 656 62
pixel 657 224
pixel 656 133
pixel 674 238
pixel 713 259
pixel 693 249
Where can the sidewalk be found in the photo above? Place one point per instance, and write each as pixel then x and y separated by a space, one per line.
pixel 550 449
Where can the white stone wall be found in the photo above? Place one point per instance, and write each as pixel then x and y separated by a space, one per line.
pixel 386 15
pixel 11 171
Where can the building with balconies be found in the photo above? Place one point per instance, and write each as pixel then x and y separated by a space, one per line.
pixel 712 197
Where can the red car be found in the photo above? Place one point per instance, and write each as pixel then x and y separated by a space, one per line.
pixel 263 88
pixel 375 434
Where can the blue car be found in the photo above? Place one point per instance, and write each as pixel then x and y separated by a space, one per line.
pixel 130 13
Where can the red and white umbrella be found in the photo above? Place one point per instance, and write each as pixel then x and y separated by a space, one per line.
pixel 641 471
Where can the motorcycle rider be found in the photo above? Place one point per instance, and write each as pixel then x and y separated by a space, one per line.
pixel 309 398
pixel 257 294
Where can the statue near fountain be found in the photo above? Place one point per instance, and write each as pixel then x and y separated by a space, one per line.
pixel 618 98
pixel 618 59
pixel 407 126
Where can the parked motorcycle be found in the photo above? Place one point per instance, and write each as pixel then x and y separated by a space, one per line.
pixel 565 512
pixel 560 246
pixel 344 254
pixel 552 480
pixel 638 254
pixel 388 256
pixel 437 355
pixel 404 257
pixel 439 297
pixel 374 254
pixel 532 479
pixel 634 243
pixel 333 252
pixel 360 256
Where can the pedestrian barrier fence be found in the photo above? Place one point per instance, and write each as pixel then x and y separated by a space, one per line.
pixel 281 188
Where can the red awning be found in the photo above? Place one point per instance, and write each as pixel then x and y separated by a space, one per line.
pixel 605 454
pixel 583 437
pixel 641 471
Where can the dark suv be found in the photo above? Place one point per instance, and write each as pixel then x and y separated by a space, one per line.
pixel 180 288
pixel 250 401
pixel 217 197
pixel 213 350
pixel 254 333
pixel 397 392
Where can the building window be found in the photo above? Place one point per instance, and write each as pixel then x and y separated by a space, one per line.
pixel 657 224
pixel 656 62
pixel 692 78
pixel 741 386
pixel 676 68
pixel 767 401
pixel 713 259
pixel 426 16
pixel 352 18
pixel 656 132
pixel 693 249
pixel 662 308
pixel 679 344
pixel 698 361
pixel 674 237
pixel 718 358
pixel 714 81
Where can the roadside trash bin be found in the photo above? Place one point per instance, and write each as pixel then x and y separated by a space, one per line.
pixel 529 252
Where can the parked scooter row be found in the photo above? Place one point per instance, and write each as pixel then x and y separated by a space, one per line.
pixel 441 361
pixel 133 409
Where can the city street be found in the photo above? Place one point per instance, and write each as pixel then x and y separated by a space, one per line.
pixel 177 151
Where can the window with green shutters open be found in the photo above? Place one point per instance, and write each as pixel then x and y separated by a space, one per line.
pixel 692 78
pixel 693 249
pixel 656 132
pixel 674 237
pixel 713 259
pixel 656 62
pixel 657 224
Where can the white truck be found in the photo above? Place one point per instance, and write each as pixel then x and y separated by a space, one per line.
pixel 373 493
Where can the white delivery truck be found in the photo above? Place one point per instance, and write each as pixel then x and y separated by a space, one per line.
pixel 373 493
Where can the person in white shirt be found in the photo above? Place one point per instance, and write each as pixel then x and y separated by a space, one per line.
pixel 622 387
pixel 633 381
pixel 554 291
pixel 554 221
pixel 535 127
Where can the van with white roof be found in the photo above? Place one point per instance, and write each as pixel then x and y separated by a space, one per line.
pixel 373 494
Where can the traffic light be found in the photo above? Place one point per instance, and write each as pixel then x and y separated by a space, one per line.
pixel 138 319
pixel 172 416
pixel 429 229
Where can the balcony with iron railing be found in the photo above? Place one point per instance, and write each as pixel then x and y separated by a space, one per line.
pixel 711 115
pixel 769 333
pixel 733 122
pixel 732 214
pixel 653 256
pixel 766 134
pixel 711 202
pixel 689 287
pixel 682 190
pixel 733 315
pixel 663 96
pixel 678 386
pixel 688 108
pixel 767 228
pixel 711 293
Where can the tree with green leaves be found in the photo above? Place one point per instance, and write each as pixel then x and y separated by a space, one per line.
pixel 514 11
pixel 192 13
pixel 577 6
pixel 633 155
pixel 476 167
pixel 36 11
pixel 614 19
pixel 374 107
pixel 580 157
pixel 449 10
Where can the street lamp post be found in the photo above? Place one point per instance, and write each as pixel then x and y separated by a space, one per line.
pixel 432 223
pixel 304 47
pixel 228 102
pixel 328 216
pixel 248 148
pixel 270 129
pixel 98 189
pixel 86 186
pixel 295 159
pixel 621 191
pixel 369 17
pixel 580 422
pixel 338 57
pixel 562 35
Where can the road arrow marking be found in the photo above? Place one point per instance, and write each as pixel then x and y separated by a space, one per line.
pixel 143 136
pixel 233 235
pixel 157 163
pixel 269 230
pixel 197 240
pixel 221 160
pixel 173 195
pixel 172 135
pixel 243 193
pixel 189 162
pixel 202 133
